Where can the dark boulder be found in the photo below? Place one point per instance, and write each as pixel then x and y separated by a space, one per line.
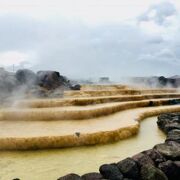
pixel 162 81
pixel 149 172
pixel 76 87
pixel 173 135
pixel 171 126
pixel 26 77
pixel 169 121
pixel 155 156
pixel 170 149
pixel 70 177
pixel 51 80
pixel 111 171
pixel 177 164
pixel 171 170
pixel 129 168
pixel 92 176
pixel 142 159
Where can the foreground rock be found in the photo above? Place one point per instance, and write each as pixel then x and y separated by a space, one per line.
pixel 149 172
pixel 159 163
pixel 70 177
pixel 171 169
pixel 170 150
pixel 129 168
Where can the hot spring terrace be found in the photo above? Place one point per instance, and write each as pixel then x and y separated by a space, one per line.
pixel 93 115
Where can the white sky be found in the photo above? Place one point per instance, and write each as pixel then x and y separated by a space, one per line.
pixel 92 23
pixel 89 11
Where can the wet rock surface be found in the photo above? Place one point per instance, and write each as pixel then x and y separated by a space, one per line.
pixel 89 176
pixel 162 162
pixel 129 168
pixel 170 169
pixel 170 150
pixel 70 177
pixel 111 171
pixel 149 172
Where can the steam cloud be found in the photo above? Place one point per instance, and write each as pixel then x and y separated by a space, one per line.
pixel 112 49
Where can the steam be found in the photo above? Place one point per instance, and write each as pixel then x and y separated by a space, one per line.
pixel 27 84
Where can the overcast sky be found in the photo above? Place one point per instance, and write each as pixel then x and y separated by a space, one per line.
pixel 91 38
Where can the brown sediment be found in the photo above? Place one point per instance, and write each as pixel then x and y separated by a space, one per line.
pixel 89 138
pixel 92 93
pixel 105 87
pixel 59 102
pixel 69 122
pixel 75 112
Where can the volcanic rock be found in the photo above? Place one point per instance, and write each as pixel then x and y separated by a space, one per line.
pixel 111 171
pixel 142 159
pixel 173 135
pixel 149 172
pixel 76 87
pixel 90 176
pixel 26 77
pixel 70 177
pixel 129 168
pixel 155 156
pixel 169 121
pixel 171 170
pixel 49 79
pixel 171 150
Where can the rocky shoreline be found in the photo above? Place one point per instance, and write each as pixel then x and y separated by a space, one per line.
pixel 162 162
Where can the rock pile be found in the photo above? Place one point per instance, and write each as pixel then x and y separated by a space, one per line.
pixel 42 83
pixel 162 162
pixel 158 81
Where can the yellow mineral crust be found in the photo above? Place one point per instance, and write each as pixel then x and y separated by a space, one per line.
pixel 98 115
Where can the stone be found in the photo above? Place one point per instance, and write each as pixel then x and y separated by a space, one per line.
pixel 90 176
pixel 171 126
pixel 70 177
pixel 177 164
pixel 173 135
pixel 168 121
pixel 26 77
pixel 149 172
pixel 49 79
pixel 171 150
pixel 76 87
pixel 129 168
pixel 110 171
pixel 155 156
pixel 52 80
pixel 142 159
pixel 171 170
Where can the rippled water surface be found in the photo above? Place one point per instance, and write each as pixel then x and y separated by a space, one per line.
pixel 51 164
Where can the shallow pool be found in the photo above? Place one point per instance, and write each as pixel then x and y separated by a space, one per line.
pixel 51 164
